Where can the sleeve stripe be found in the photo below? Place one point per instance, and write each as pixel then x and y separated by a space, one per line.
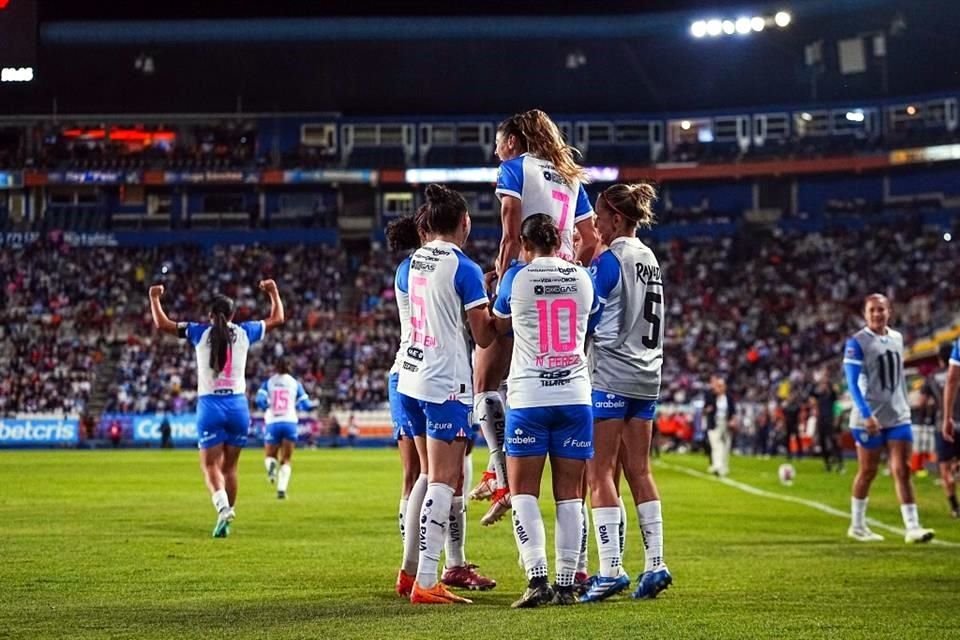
pixel 476 303
pixel 500 314
pixel 954 362
pixel 263 328
pixel 602 299
pixel 583 216
pixel 508 192
pixel 849 361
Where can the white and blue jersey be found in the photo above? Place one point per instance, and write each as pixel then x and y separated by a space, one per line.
pixel 223 416
pixel 281 397
pixel 549 302
pixel 402 426
pixel 442 284
pixel 541 189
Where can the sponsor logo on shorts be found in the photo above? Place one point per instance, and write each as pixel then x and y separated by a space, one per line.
pixel 577 444
pixel 519 438
pixel 612 402
pixel 440 426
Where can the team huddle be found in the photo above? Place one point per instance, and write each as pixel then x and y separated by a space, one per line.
pixel 545 357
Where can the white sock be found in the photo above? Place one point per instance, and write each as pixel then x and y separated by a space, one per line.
pixel 584 539
pixel 651 528
pixel 530 535
pixel 456 534
pixel 283 479
pixel 220 500
pixel 270 463
pixel 567 535
pixel 467 473
pixel 403 516
pixel 488 412
pixel 858 513
pixel 433 531
pixel 606 525
pixel 411 524
pixel 911 518
pixel 622 533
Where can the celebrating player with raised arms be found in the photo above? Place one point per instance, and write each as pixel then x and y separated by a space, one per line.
pixel 280 398
pixel 538 174
pixel 626 361
pixel 547 303
pixel 446 297
pixel 223 415
pixel 880 418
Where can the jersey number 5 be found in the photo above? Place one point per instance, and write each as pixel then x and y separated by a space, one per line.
pixel 650 303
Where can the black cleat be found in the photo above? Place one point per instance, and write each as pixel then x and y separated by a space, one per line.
pixel 281 495
pixel 563 595
pixel 538 592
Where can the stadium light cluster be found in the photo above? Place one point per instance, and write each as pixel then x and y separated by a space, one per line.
pixel 743 25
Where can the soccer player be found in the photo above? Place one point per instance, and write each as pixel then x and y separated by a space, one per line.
pixel 538 174
pixel 626 361
pixel 547 302
pixel 446 296
pixel 948 444
pixel 223 415
pixel 280 398
pixel 880 418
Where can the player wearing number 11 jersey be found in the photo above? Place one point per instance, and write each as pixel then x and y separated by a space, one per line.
pixel 281 397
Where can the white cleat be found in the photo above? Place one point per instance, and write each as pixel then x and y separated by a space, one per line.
pixel 918 535
pixel 486 488
pixel 864 535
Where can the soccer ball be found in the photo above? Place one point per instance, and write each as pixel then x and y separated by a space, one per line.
pixel 786 473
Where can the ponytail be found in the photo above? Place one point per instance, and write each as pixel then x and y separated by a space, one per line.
pixel 221 335
pixel 541 137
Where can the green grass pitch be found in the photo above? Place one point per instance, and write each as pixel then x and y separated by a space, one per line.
pixel 116 544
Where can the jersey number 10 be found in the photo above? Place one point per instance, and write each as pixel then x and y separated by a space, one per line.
pixel 551 315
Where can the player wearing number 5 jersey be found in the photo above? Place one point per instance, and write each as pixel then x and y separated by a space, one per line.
pixel 223 416
pixel 880 419
pixel 446 295
pixel 280 398
pixel 538 174
pixel 626 359
pixel 547 302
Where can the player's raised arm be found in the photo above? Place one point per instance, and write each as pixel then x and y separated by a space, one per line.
pixel 511 215
pixel 277 316
pixel 160 319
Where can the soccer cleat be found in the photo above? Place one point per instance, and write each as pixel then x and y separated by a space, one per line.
pixel 538 592
pixel 918 535
pixel 437 594
pixel 864 535
pixel 954 513
pixel 581 582
pixel 405 584
pixel 222 528
pixel 564 595
pixel 602 588
pixel 466 577
pixel 281 495
pixel 272 473
pixel 651 583
pixel 486 487
pixel 501 504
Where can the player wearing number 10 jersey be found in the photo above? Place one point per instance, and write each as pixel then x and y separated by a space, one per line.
pixel 281 397
pixel 626 360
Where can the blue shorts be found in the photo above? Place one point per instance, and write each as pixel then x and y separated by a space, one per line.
pixel 565 432
pixel 223 420
pixel 901 432
pixel 610 406
pixel 398 415
pixel 947 451
pixel 279 431
pixel 447 421
pixel 413 422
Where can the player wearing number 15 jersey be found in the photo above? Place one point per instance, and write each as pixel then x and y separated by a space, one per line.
pixel 626 360
pixel 281 397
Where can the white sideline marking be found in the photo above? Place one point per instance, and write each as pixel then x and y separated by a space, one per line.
pixel 819 506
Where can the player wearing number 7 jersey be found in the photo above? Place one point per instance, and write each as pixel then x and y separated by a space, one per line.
pixel 547 303
pixel 280 398
pixel 880 419
pixel 223 415
pixel 626 361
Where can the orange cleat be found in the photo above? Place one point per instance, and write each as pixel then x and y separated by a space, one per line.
pixel 486 487
pixel 501 504
pixel 405 584
pixel 437 594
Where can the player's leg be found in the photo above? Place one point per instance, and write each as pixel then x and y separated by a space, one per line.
pixel 869 449
pixel 458 572
pixel 947 454
pixel 715 440
pixel 210 465
pixel 286 470
pixel 415 432
pixel 622 531
pixel 582 578
pixel 270 449
pixel 899 444
pixel 825 438
pixel 491 365
pixel 229 464
pixel 410 469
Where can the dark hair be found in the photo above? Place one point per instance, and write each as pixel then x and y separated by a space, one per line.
pixel 221 335
pixel 540 231
pixel 632 201
pixel 443 210
pixel 282 366
pixel 402 234
pixel 540 136
pixel 946 350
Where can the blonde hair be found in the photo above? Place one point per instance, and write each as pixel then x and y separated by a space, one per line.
pixel 632 201
pixel 541 137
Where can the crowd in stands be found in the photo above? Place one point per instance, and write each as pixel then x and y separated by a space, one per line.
pixel 765 311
